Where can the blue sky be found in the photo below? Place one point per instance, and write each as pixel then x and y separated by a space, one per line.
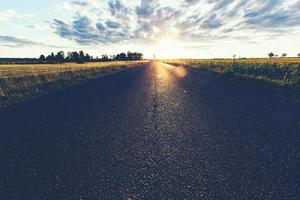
pixel 167 28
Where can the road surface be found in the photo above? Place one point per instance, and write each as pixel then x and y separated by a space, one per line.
pixel 152 132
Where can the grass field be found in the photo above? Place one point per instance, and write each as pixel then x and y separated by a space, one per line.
pixel 19 82
pixel 281 71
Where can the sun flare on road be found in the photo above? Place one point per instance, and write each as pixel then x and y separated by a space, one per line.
pixel 169 72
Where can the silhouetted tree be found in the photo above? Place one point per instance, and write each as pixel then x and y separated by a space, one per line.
pixel 60 57
pixel 130 56
pixel 69 57
pixel 284 55
pixel 121 56
pixel 298 55
pixel 42 58
pixel 81 57
pixel 134 56
pixel 140 56
pixel 50 58
pixel 271 55
pixel 104 58
pixel 73 56
pixel 234 59
pixel 87 57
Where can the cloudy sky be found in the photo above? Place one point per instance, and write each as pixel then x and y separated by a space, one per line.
pixel 167 28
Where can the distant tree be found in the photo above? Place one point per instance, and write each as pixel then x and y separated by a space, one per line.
pixel 134 56
pixel 42 58
pixel 298 55
pixel 87 57
pixel 69 57
pixel 73 57
pixel 105 58
pixel 271 55
pixel 81 57
pixel 130 56
pixel 140 56
pixel 121 56
pixel 234 59
pixel 50 58
pixel 60 57
pixel 284 55
pixel 78 57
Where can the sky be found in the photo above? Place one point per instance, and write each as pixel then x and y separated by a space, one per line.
pixel 166 28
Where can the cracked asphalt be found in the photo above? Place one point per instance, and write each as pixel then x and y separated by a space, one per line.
pixel 152 132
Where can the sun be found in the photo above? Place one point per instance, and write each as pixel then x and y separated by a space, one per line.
pixel 167 48
pixel 167 44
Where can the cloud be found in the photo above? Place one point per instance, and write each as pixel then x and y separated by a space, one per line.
pixel 12 41
pixel 81 6
pixel 118 7
pixel 271 14
pixel 146 8
pixel 191 2
pixel 112 25
pixel 150 20
pixel 6 15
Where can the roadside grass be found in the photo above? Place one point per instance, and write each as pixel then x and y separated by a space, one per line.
pixel 278 73
pixel 20 82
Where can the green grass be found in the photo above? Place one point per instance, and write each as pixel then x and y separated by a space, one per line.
pixel 20 82
pixel 282 75
pixel 279 71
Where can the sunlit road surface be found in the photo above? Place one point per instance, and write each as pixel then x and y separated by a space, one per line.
pixel 153 132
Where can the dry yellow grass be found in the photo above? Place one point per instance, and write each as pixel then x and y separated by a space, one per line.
pixel 19 82
pixel 14 70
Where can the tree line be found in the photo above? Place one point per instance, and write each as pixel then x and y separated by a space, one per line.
pixel 81 57
pixel 284 55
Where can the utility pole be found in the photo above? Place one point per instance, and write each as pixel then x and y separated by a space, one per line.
pixel 234 56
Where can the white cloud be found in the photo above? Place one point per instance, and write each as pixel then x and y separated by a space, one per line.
pixel 7 15
pixel 149 20
pixel 12 41
pixel 198 23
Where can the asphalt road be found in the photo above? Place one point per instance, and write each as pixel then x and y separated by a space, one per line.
pixel 152 132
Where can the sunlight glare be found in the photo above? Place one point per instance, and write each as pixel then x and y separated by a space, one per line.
pixel 167 47
pixel 167 71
